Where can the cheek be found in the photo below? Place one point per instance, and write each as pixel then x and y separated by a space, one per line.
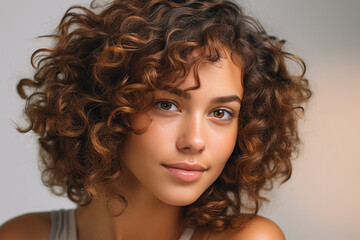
pixel 154 142
pixel 222 145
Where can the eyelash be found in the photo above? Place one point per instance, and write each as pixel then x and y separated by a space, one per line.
pixel 231 114
pixel 158 104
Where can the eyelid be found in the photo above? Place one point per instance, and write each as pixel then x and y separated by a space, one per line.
pixel 232 113
pixel 166 100
pixel 157 101
pixel 227 110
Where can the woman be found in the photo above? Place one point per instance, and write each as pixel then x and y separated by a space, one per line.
pixel 161 120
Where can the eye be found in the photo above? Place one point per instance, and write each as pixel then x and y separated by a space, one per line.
pixel 166 106
pixel 222 114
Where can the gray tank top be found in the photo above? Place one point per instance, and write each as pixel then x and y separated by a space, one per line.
pixel 63 226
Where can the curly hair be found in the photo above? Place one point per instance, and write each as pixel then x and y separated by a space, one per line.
pixel 105 58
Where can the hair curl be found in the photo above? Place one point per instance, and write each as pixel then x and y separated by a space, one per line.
pixel 90 83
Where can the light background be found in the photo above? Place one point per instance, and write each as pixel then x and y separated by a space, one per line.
pixel 322 199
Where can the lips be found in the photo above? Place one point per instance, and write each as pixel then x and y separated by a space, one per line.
pixel 186 166
pixel 185 172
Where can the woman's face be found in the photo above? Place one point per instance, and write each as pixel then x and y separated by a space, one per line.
pixel 190 138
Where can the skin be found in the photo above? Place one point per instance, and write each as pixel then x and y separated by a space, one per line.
pixel 191 129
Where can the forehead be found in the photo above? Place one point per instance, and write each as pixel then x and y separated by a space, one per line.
pixel 225 72
pixel 214 69
pixel 220 78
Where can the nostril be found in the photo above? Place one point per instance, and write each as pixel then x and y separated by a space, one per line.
pixel 186 145
pixel 191 138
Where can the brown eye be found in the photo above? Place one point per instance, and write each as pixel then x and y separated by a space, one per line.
pixel 222 114
pixel 219 113
pixel 166 106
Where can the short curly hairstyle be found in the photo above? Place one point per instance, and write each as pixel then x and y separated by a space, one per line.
pixel 105 58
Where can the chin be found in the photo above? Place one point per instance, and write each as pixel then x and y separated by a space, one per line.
pixel 179 202
pixel 180 198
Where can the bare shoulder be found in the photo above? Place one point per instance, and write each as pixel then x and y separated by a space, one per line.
pixel 29 226
pixel 258 228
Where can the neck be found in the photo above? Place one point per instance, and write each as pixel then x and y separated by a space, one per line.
pixel 145 217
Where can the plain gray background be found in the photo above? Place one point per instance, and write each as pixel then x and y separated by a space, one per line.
pixel 321 200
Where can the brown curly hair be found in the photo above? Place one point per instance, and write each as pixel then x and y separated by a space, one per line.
pixel 105 58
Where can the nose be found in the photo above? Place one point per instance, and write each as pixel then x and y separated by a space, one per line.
pixel 191 136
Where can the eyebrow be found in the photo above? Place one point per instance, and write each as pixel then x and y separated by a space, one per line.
pixel 226 99
pixel 217 100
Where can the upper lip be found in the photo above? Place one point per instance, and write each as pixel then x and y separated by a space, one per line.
pixel 186 166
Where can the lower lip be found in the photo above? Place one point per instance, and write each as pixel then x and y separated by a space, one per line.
pixel 185 175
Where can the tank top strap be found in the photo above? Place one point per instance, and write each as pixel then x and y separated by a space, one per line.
pixel 63 225
pixel 187 234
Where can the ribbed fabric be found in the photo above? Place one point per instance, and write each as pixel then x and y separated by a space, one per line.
pixel 63 226
pixel 187 234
